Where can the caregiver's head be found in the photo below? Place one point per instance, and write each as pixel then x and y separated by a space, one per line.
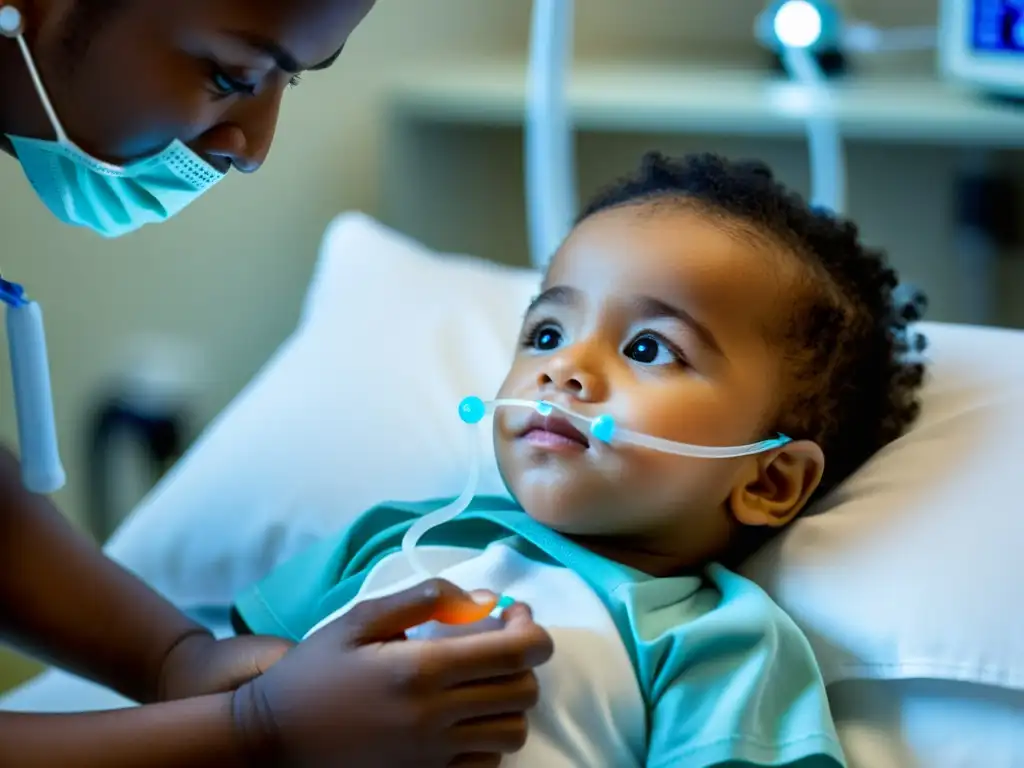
pixel 139 106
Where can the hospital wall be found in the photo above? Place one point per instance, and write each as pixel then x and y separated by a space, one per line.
pixel 226 278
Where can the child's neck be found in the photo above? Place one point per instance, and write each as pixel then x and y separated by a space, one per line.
pixel 644 556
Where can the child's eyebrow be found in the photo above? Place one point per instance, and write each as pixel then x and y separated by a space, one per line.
pixel 561 295
pixel 648 306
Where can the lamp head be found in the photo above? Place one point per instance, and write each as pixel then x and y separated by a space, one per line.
pixel 810 24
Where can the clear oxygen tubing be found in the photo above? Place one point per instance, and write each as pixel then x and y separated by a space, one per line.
pixel 41 468
pixel 602 428
pixel 548 134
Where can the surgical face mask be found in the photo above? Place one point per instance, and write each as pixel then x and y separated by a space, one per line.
pixel 109 199
pixel 602 429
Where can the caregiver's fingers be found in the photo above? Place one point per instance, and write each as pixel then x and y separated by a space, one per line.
pixel 490 698
pixel 519 646
pixel 385 618
pixel 491 735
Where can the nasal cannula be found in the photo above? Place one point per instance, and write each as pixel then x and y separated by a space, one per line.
pixel 602 428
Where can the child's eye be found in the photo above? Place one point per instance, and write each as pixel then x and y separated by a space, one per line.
pixel 543 338
pixel 649 350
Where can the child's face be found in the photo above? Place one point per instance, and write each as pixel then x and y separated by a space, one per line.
pixel 662 318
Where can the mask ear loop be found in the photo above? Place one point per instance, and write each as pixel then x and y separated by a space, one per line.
pixel 12 26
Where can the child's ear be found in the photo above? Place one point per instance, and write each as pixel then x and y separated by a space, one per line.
pixel 778 484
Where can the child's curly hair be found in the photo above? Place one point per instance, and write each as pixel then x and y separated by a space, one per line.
pixel 855 388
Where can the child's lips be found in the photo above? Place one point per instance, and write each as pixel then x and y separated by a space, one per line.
pixel 552 441
pixel 553 433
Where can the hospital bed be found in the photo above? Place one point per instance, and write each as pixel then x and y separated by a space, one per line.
pixel 905 579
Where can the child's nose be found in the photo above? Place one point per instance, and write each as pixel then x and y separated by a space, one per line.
pixel 569 378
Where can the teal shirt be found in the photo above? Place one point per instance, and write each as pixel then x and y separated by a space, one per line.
pixel 727 677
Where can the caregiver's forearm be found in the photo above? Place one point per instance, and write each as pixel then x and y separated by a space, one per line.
pixel 196 733
pixel 62 600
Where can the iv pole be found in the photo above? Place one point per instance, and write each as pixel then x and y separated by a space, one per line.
pixel 551 199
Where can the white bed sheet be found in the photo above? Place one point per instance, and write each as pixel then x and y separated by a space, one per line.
pixel 928 724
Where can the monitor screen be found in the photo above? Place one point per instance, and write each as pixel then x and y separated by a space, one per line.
pixel 997 26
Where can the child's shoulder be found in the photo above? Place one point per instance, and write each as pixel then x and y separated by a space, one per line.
pixel 720 644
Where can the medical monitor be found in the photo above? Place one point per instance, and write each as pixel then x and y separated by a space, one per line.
pixel 981 44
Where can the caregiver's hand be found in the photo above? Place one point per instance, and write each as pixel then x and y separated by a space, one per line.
pixel 357 694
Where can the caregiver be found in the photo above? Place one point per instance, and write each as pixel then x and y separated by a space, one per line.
pixel 121 113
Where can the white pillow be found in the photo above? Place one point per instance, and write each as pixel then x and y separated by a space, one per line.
pixel 359 406
pixel 912 570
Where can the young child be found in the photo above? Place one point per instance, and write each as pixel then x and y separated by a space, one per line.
pixel 701 302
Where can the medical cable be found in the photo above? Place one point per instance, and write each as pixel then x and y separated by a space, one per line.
pixel 827 157
pixel 800 28
pixel 602 428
